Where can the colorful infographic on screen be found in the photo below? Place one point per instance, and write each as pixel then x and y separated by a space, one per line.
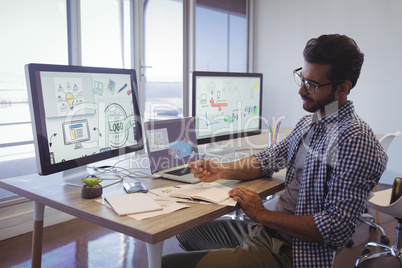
pixel 87 113
pixel 171 143
pixel 226 105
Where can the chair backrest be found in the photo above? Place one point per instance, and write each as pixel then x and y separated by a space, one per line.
pixel 387 139
pixel 396 190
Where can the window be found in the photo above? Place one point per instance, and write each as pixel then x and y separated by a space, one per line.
pixel 221 41
pixel 221 36
pixel 31 32
pixel 104 33
pixel 36 31
pixel 163 70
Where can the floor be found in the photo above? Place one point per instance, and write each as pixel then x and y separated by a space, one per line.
pixel 78 243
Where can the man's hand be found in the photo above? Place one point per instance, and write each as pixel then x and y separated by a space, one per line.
pixel 249 201
pixel 301 227
pixel 206 170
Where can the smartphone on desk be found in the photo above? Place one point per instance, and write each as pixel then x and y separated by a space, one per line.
pixel 135 187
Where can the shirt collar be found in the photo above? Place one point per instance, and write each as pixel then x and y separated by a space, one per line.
pixel 336 116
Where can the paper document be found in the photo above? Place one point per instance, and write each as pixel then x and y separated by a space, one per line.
pixel 127 204
pixel 168 206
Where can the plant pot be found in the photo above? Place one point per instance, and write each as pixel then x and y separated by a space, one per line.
pixel 89 192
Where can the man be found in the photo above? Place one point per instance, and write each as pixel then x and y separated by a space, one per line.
pixel 333 161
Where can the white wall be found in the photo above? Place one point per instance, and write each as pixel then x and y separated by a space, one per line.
pixel 282 28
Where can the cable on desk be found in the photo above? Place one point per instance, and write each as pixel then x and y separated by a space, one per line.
pixel 122 172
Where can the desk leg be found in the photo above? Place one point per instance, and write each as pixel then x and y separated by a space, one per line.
pixel 155 255
pixel 37 235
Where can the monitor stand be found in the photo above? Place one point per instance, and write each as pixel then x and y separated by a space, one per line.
pixel 74 176
pixel 220 150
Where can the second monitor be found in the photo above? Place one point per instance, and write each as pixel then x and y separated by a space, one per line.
pixel 226 105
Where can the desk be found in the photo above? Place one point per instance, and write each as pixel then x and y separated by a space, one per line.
pixel 53 192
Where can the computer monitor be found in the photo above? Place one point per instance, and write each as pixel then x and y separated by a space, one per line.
pixel 226 105
pixel 82 115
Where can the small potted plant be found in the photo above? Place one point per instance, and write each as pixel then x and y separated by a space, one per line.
pixel 92 188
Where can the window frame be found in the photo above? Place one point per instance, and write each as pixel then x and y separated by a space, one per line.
pixel 137 48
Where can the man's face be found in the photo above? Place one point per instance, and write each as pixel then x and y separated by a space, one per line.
pixel 323 96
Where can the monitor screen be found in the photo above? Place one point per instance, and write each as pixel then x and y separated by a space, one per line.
pixel 226 105
pixel 82 115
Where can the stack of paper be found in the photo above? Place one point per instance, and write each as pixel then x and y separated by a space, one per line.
pixel 161 201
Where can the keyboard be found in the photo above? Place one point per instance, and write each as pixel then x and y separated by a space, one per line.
pixel 179 172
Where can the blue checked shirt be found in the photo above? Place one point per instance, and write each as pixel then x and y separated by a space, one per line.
pixel 343 164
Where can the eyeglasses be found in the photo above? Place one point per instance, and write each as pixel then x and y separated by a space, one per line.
pixel 310 86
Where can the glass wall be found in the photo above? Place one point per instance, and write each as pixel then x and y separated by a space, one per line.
pixel 163 62
pixel 221 36
pixel 32 32
pixel 36 31
pixel 220 45
pixel 102 34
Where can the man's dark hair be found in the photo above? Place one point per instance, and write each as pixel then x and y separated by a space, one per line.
pixel 340 51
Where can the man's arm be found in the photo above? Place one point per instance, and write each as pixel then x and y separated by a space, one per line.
pixel 208 171
pixel 301 227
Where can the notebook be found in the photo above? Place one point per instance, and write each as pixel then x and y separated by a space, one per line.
pixel 212 194
pixel 171 145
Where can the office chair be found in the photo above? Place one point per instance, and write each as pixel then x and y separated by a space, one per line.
pixel 387 139
pixel 380 201
pixel 368 218
pixel 385 143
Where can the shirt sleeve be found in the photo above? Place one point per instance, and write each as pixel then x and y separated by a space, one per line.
pixel 272 159
pixel 275 158
pixel 356 164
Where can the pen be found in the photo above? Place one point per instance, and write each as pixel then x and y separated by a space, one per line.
pixel 274 134
pixel 125 85
pixel 268 127
pixel 277 130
